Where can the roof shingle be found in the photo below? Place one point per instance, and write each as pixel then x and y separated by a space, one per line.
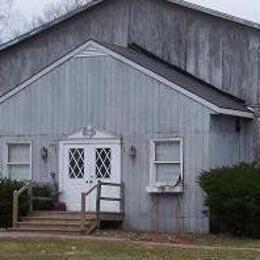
pixel 180 78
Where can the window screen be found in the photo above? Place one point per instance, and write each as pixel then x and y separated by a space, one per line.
pixel 18 161
pixel 167 162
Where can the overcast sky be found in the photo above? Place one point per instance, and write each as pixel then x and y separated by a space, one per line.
pixel 248 9
pixel 27 9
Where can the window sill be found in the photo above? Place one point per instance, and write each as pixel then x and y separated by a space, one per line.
pixel 165 189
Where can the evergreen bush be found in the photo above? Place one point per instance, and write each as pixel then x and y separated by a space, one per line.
pixel 233 198
pixel 8 186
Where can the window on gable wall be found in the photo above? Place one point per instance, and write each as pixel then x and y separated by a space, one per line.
pixel 18 163
pixel 166 163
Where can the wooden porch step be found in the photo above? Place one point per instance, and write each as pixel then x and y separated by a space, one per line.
pixel 49 230
pixel 63 222
pixel 50 224
pixel 54 220
pixel 64 215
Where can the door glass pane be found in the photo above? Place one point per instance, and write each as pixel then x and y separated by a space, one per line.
pixel 19 172
pixel 18 153
pixel 169 173
pixel 103 163
pixel 76 163
pixel 167 151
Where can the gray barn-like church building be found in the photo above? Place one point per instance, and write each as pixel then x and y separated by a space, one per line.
pixel 148 93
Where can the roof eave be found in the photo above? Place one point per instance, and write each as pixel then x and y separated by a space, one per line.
pixel 235 113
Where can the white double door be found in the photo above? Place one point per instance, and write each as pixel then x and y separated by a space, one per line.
pixel 83 165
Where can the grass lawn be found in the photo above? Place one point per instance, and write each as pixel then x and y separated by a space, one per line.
pixel 227 241
pixel 77 249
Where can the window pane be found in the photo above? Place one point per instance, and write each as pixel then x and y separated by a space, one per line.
pixel 169 173
pixel 19 172
pixel 76 163
pixel 103 163
pixel 19 153
pixel 167 151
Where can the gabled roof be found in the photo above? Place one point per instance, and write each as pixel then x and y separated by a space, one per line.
pixel 216 100
pixel 92 3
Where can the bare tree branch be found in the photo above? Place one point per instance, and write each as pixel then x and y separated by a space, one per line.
pixel 5 14
pixel 52 11
pixel 55 10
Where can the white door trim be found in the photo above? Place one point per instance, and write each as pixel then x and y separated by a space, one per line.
pixel 97 140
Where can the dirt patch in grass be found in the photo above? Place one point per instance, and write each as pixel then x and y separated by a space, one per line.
pixel 189 239
pixel 148 237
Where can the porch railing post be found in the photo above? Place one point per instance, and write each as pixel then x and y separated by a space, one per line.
pixel 30 194
pixel 122 196
pixel 83 212
pixel 99 185
pixel 15 209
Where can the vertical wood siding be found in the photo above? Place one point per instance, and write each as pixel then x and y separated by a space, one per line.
pixel 220 52
pixel 228 146
pixel 223 53
pixel 107 22
pixel 112 96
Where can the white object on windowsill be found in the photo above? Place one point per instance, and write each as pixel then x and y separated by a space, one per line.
pixel 164 188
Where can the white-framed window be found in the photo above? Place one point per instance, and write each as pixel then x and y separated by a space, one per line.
pixel 18 161
pixel 166 165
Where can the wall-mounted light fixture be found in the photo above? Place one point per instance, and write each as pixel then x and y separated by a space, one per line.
pixel 44 153
pixel 132 151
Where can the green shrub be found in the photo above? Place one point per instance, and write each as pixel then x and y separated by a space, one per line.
pixel 7 187
pixel 233 198
pixel 42 190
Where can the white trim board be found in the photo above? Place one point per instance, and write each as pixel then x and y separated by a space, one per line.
pixel 99 49
pixel 153 160
pixel 98 137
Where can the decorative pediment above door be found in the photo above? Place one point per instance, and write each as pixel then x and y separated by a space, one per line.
pixel 92 133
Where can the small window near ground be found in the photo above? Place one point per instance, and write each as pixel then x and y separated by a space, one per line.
pixel 166 163
pixel 19 161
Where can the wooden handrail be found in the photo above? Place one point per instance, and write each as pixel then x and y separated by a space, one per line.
pixel 27 187
pixel 91 190
pixel 98 196
pixel 110 199
pixel 16 196
pixel 83 206
pixel 111 184
pixel 98 187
